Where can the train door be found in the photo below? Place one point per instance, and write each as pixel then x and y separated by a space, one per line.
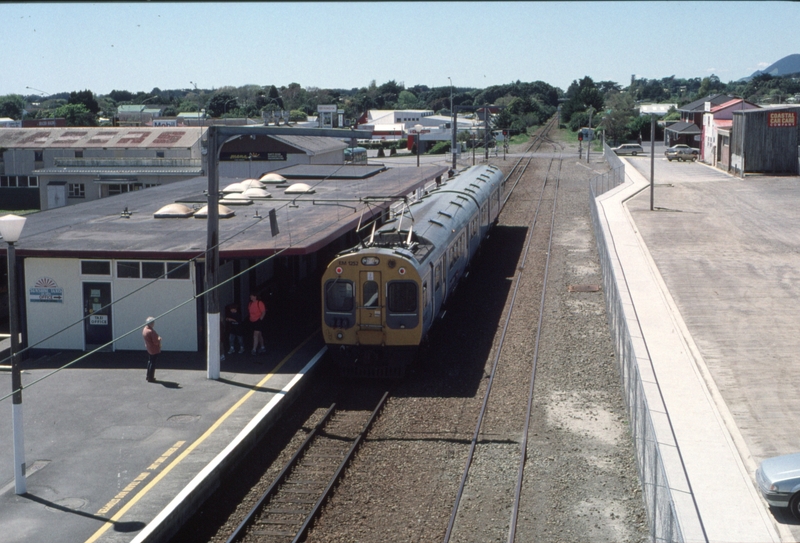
pixel 370 310
pixel 97 325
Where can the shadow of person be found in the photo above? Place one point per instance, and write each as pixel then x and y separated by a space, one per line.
pixel 168 384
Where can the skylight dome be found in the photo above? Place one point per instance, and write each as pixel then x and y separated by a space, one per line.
pixel 272 177
pixel 300 188
pixel 174 211
pixel 255 192
pixel 224 212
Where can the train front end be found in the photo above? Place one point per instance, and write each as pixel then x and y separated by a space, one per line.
pixel 372 314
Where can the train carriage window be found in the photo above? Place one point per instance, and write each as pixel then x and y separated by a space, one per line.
pixel 370 292
pixel 425 294
pixel 401 297
pixel 438 274
pixel 339 295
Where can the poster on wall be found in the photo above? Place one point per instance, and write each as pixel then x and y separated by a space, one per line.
pixel 782 118
pixel 46 290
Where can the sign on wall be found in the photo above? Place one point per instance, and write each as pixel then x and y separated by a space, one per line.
pixel 782 118
pixel 46 290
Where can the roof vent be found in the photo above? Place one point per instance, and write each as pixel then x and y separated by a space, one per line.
pixel 174 211
pixel 272 177
pixel 299 188
pixel 224 212
pixel 256 193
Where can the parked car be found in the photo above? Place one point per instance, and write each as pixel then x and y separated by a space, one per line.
pixel 681 152
pixel 778 479
pixel 628 149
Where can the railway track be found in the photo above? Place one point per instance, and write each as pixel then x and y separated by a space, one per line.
pixel 411 480
pixel 546 206
pixel 287 509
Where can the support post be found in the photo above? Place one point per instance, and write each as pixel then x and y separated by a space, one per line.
pixel 20 484
pixel 652 157
pixel 212 258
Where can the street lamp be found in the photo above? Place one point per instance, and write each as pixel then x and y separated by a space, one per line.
pixel 11 229
pixel 225 107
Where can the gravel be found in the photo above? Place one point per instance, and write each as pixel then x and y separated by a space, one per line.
pixel 580 478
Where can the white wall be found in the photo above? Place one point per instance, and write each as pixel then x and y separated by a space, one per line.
pixel 178 329
pixel 47 318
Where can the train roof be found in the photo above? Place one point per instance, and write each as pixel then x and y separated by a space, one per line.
pixel 445 208
pixel 125 226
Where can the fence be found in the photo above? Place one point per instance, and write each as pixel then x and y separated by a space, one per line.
pixel 661 512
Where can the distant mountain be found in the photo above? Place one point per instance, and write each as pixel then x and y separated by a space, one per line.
pixel 785 66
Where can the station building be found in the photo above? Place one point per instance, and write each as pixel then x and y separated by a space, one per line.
pixel 92 272
pixel 45 168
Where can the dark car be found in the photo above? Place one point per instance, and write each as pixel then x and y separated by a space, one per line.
pixel 681 152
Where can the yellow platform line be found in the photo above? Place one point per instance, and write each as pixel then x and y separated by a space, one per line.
pixel 113 520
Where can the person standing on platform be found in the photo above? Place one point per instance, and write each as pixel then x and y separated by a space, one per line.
pixel 233 323
pixel 256 312
pixel 152 342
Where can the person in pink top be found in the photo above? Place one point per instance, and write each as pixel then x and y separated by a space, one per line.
pixel 152 342
pixel 256 313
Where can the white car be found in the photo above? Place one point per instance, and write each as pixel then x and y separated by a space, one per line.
pixel 778 480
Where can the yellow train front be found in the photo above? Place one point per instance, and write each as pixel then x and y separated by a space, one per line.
pixel 372 318
pixel 381 298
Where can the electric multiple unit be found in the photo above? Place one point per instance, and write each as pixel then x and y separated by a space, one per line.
pixel 381 297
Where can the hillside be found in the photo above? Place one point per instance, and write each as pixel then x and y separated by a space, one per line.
pixel 785 66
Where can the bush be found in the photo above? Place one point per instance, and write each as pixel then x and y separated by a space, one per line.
pixel 440 148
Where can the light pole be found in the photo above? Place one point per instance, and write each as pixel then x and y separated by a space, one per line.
pixel 453 115
pixel 11 229
pixel 418 131
pixel 225 107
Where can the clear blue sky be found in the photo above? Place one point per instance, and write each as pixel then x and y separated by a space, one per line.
pixel 58 47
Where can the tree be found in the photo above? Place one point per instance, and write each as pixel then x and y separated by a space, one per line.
pixel 12 106
pixel 407 100
pixel 220 104
pixel 619 115
pixel 75 115
pixel 86 98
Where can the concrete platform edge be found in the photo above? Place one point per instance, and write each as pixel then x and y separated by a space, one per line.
pixel 628 269
pixel 172 517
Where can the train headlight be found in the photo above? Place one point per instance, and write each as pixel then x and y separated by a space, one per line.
pixel 370 261
pixel 339 335
pixel 401 271
pixel 339 270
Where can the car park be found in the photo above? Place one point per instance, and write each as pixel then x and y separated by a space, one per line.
pixel 778 479
pixel 681 152
pixel 628 149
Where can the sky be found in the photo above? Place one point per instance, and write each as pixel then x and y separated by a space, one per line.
pixel 48 48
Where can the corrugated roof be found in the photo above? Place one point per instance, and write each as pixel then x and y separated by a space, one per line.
pixel 99 170
pixel 312 145
pixel 700 105
pixel 684 128
pixel 103 137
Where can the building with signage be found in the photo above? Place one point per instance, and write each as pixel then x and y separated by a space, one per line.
pixel 45 168
pixel 91 274
pixel 717 123
pixel 765 141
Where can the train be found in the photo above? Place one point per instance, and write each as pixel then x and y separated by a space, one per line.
pixel 381 297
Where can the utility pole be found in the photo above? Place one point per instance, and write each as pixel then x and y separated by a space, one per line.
pixel 652 156
pixel 454 115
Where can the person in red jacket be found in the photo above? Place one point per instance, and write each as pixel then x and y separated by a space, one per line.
pixel 152 342
pixel 256 313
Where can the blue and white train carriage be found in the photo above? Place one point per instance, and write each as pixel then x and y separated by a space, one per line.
pixel 381 297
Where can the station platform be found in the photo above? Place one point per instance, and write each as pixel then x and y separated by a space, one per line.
pixel 113 458
pixel 712 272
